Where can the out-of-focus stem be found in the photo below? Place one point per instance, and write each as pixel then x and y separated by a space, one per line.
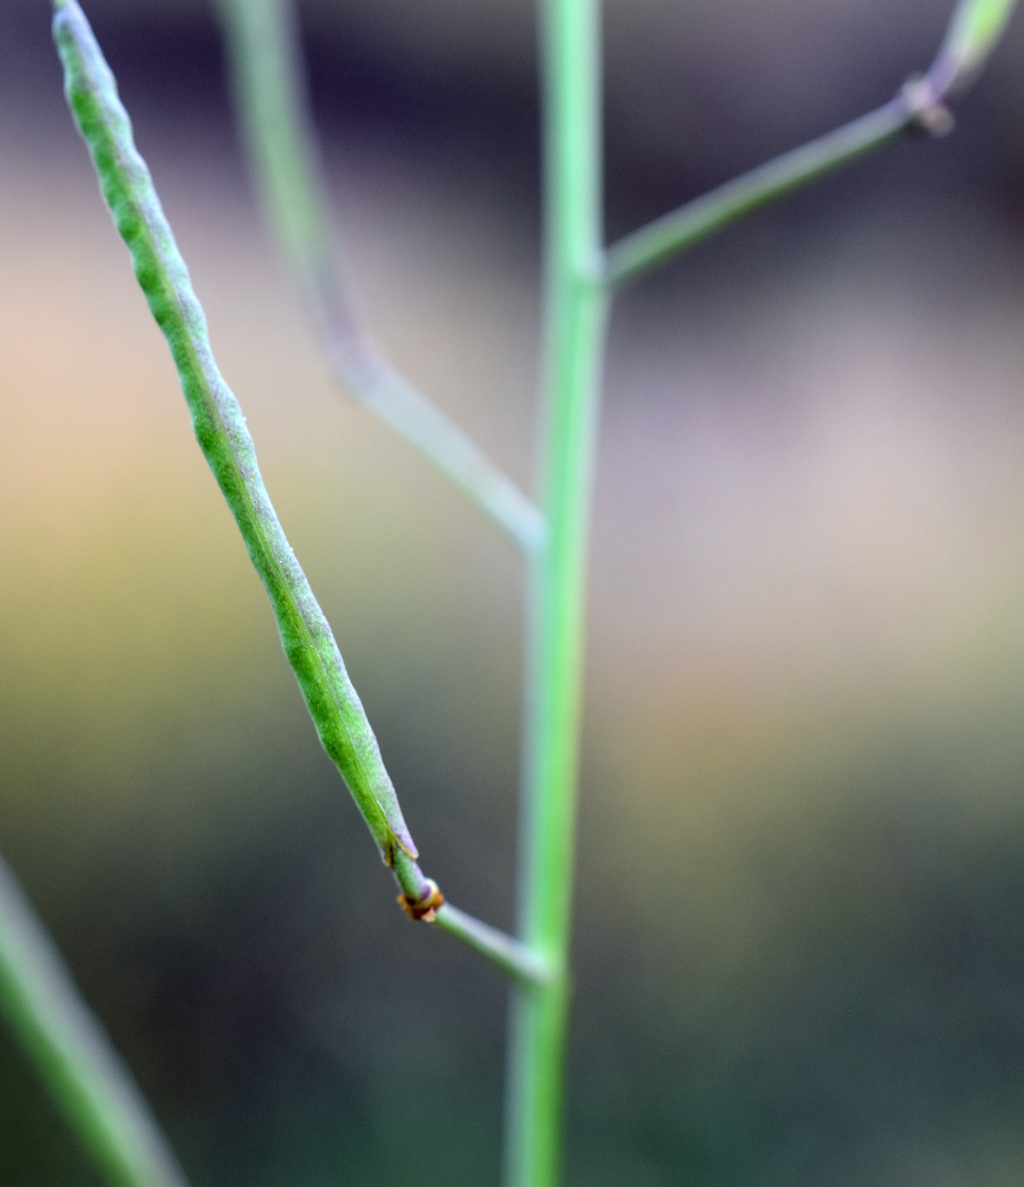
pixel 72 1053
pixel 270 94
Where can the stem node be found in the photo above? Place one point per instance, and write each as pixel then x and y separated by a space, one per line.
pixel 425 905
pixel 929 113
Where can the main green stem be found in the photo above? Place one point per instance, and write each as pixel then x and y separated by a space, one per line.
pixel 575 316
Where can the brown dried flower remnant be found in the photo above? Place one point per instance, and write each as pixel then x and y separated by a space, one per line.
pixel 425 907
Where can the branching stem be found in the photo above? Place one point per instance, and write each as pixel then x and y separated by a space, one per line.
pixel 919 106
pixel 520 962
pixel 220 428
pixel 673 233
pixel 271 99
pixel 35 990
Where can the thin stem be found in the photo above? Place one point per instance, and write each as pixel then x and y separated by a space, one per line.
pixel 420 898
pixel 220 428
pixel 271 98
pixel 508 953
pixel 673 233
pixel 71 1051
pixel 973 32
pixel 574 328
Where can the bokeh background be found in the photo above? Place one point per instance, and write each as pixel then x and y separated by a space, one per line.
pixel 800 923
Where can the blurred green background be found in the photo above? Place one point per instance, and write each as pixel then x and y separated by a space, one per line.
pixel 800 922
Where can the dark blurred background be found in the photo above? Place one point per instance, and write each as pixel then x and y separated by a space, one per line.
pixel 800 930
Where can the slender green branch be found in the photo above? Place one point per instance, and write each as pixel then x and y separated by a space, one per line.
pixel 421 899
pixel 270 95
pixel 673 233
pixel 919 106
pixel 73 1054
pixel 220 428
pixel 575 315
pixel 511 955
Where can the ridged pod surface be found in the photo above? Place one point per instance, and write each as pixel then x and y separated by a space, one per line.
pixel 221 431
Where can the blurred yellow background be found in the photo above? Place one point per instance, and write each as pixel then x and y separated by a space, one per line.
pixel 800 954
